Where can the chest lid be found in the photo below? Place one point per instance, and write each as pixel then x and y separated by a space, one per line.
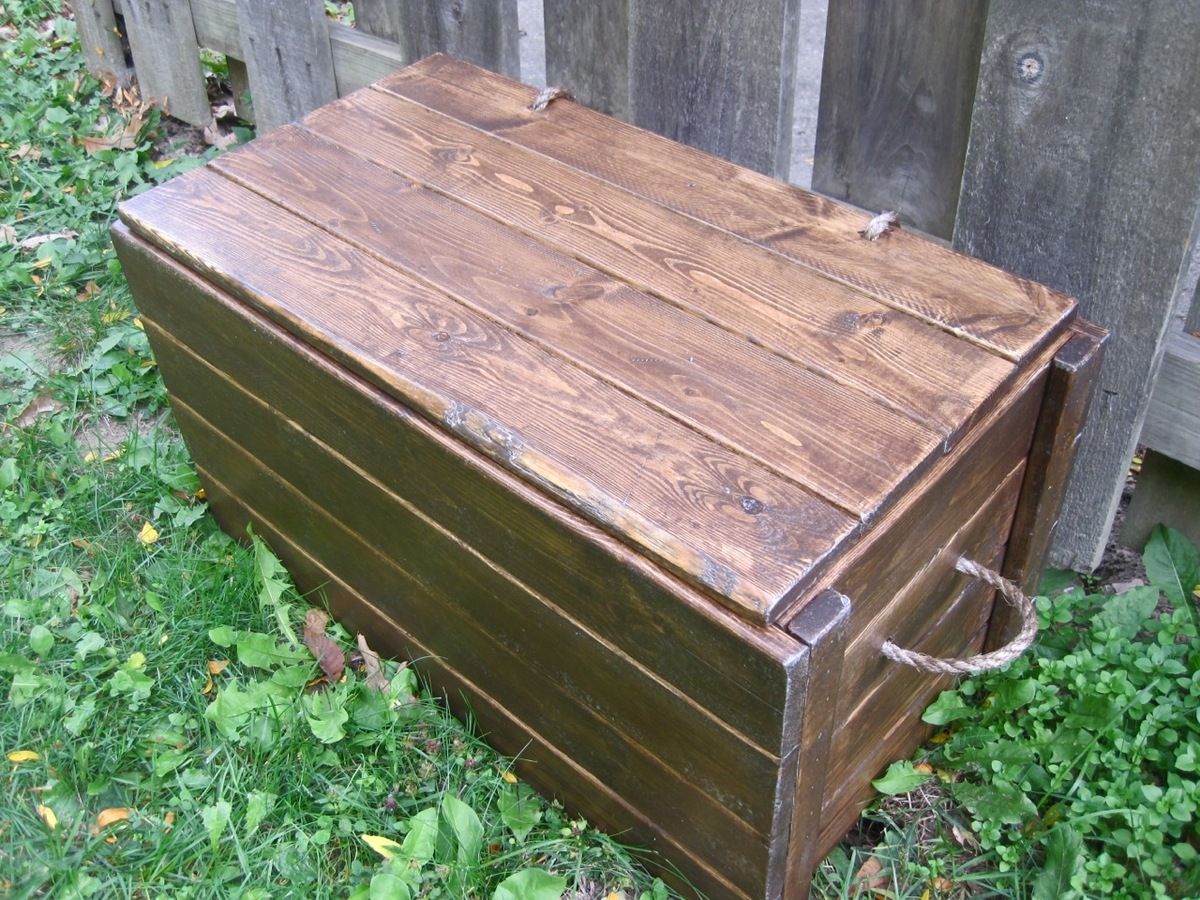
pixel 712 365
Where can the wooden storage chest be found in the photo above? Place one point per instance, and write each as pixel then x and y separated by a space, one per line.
pixel 606 431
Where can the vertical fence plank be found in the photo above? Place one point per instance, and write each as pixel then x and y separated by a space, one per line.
pixel 288 59
pixel 587 50
pixel 163 41
pixel 483 32
pixel 100 39
pixel 1081 173
pixel 717 74
pixel 378 17
pixel 897 86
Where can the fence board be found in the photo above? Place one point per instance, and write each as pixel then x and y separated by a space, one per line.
pixel 897 86
pixel 717 74
pixel 1081 173
pixel 288 58
pixel 378 17
pixel 163 41
pixel 100 39
pixel 483 32
pixel 1172 423
pixel 587 50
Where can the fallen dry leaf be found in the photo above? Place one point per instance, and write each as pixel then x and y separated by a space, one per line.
pixel 41 405
pixel 328 654
pixel 111 815
pixel 375 677
pixel 8 234
pixel 23 756
pixel 868 877
pixel 32 243
pixel 148 535
pixel 48 816
pixel 215 137
pixel 217 666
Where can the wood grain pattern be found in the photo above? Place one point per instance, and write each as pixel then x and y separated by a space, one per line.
pixel 897 85
pixel 714 656
pixel 1172 422
pixel 856 455
pixel 163 42
pixel 381 18
pixel 1073 178
pixel 100 40
pixel 1069 387
pixel 587 49
pixel 766 298
pixel 487 621
pixel 718 75
pixel 288 59
pixel 539 761
pixel 822 625
pixel 719 520
pixel 935 508
pixel 1012 316
pixel 483 32
pixel 694 813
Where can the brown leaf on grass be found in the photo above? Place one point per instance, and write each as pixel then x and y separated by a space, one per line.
pixel 375 677
pixel 216 137
pixel 41 405
pixel 126 140
pixel 870 878
pixel 113 814
pixel 32 243
pixel 8 234
pixel 328 654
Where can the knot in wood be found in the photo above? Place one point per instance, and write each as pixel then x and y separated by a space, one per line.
pixel 1030 67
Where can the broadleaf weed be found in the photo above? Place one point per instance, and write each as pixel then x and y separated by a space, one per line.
pixel 1079 761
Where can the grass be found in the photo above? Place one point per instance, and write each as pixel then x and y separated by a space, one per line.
pixel 161 731
pixel 126 611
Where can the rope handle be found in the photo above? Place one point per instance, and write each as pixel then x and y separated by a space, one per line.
pixel 975 664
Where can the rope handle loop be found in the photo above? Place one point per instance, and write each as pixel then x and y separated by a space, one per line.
pixel 975 664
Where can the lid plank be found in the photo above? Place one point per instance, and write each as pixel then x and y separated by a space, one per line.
pixel 837 331
pixel 855 453
pixel 985 304
pixel 705 512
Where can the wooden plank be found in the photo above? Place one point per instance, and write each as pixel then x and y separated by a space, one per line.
pixel 358 58
pixel 288 57
pixel 718 75
pixel 483 32
pixel 538 761
pixel 828 327
pixel 926 597
pixel 895 111
pixel 855 455
pixel 1172 423
pixel 724 663
pixel 822 625
pixel 1073 178
pixel 934 509
pixel 425 599
pixel 587 51
pixel 1068 394
pixel 962 295
pixel 163 42
pixel 1167 493
pixel 718 519
pixel 892 715
pixel 381 18
pixel 100 40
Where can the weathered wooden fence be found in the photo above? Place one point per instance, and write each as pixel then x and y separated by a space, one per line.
pixel 1056 139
